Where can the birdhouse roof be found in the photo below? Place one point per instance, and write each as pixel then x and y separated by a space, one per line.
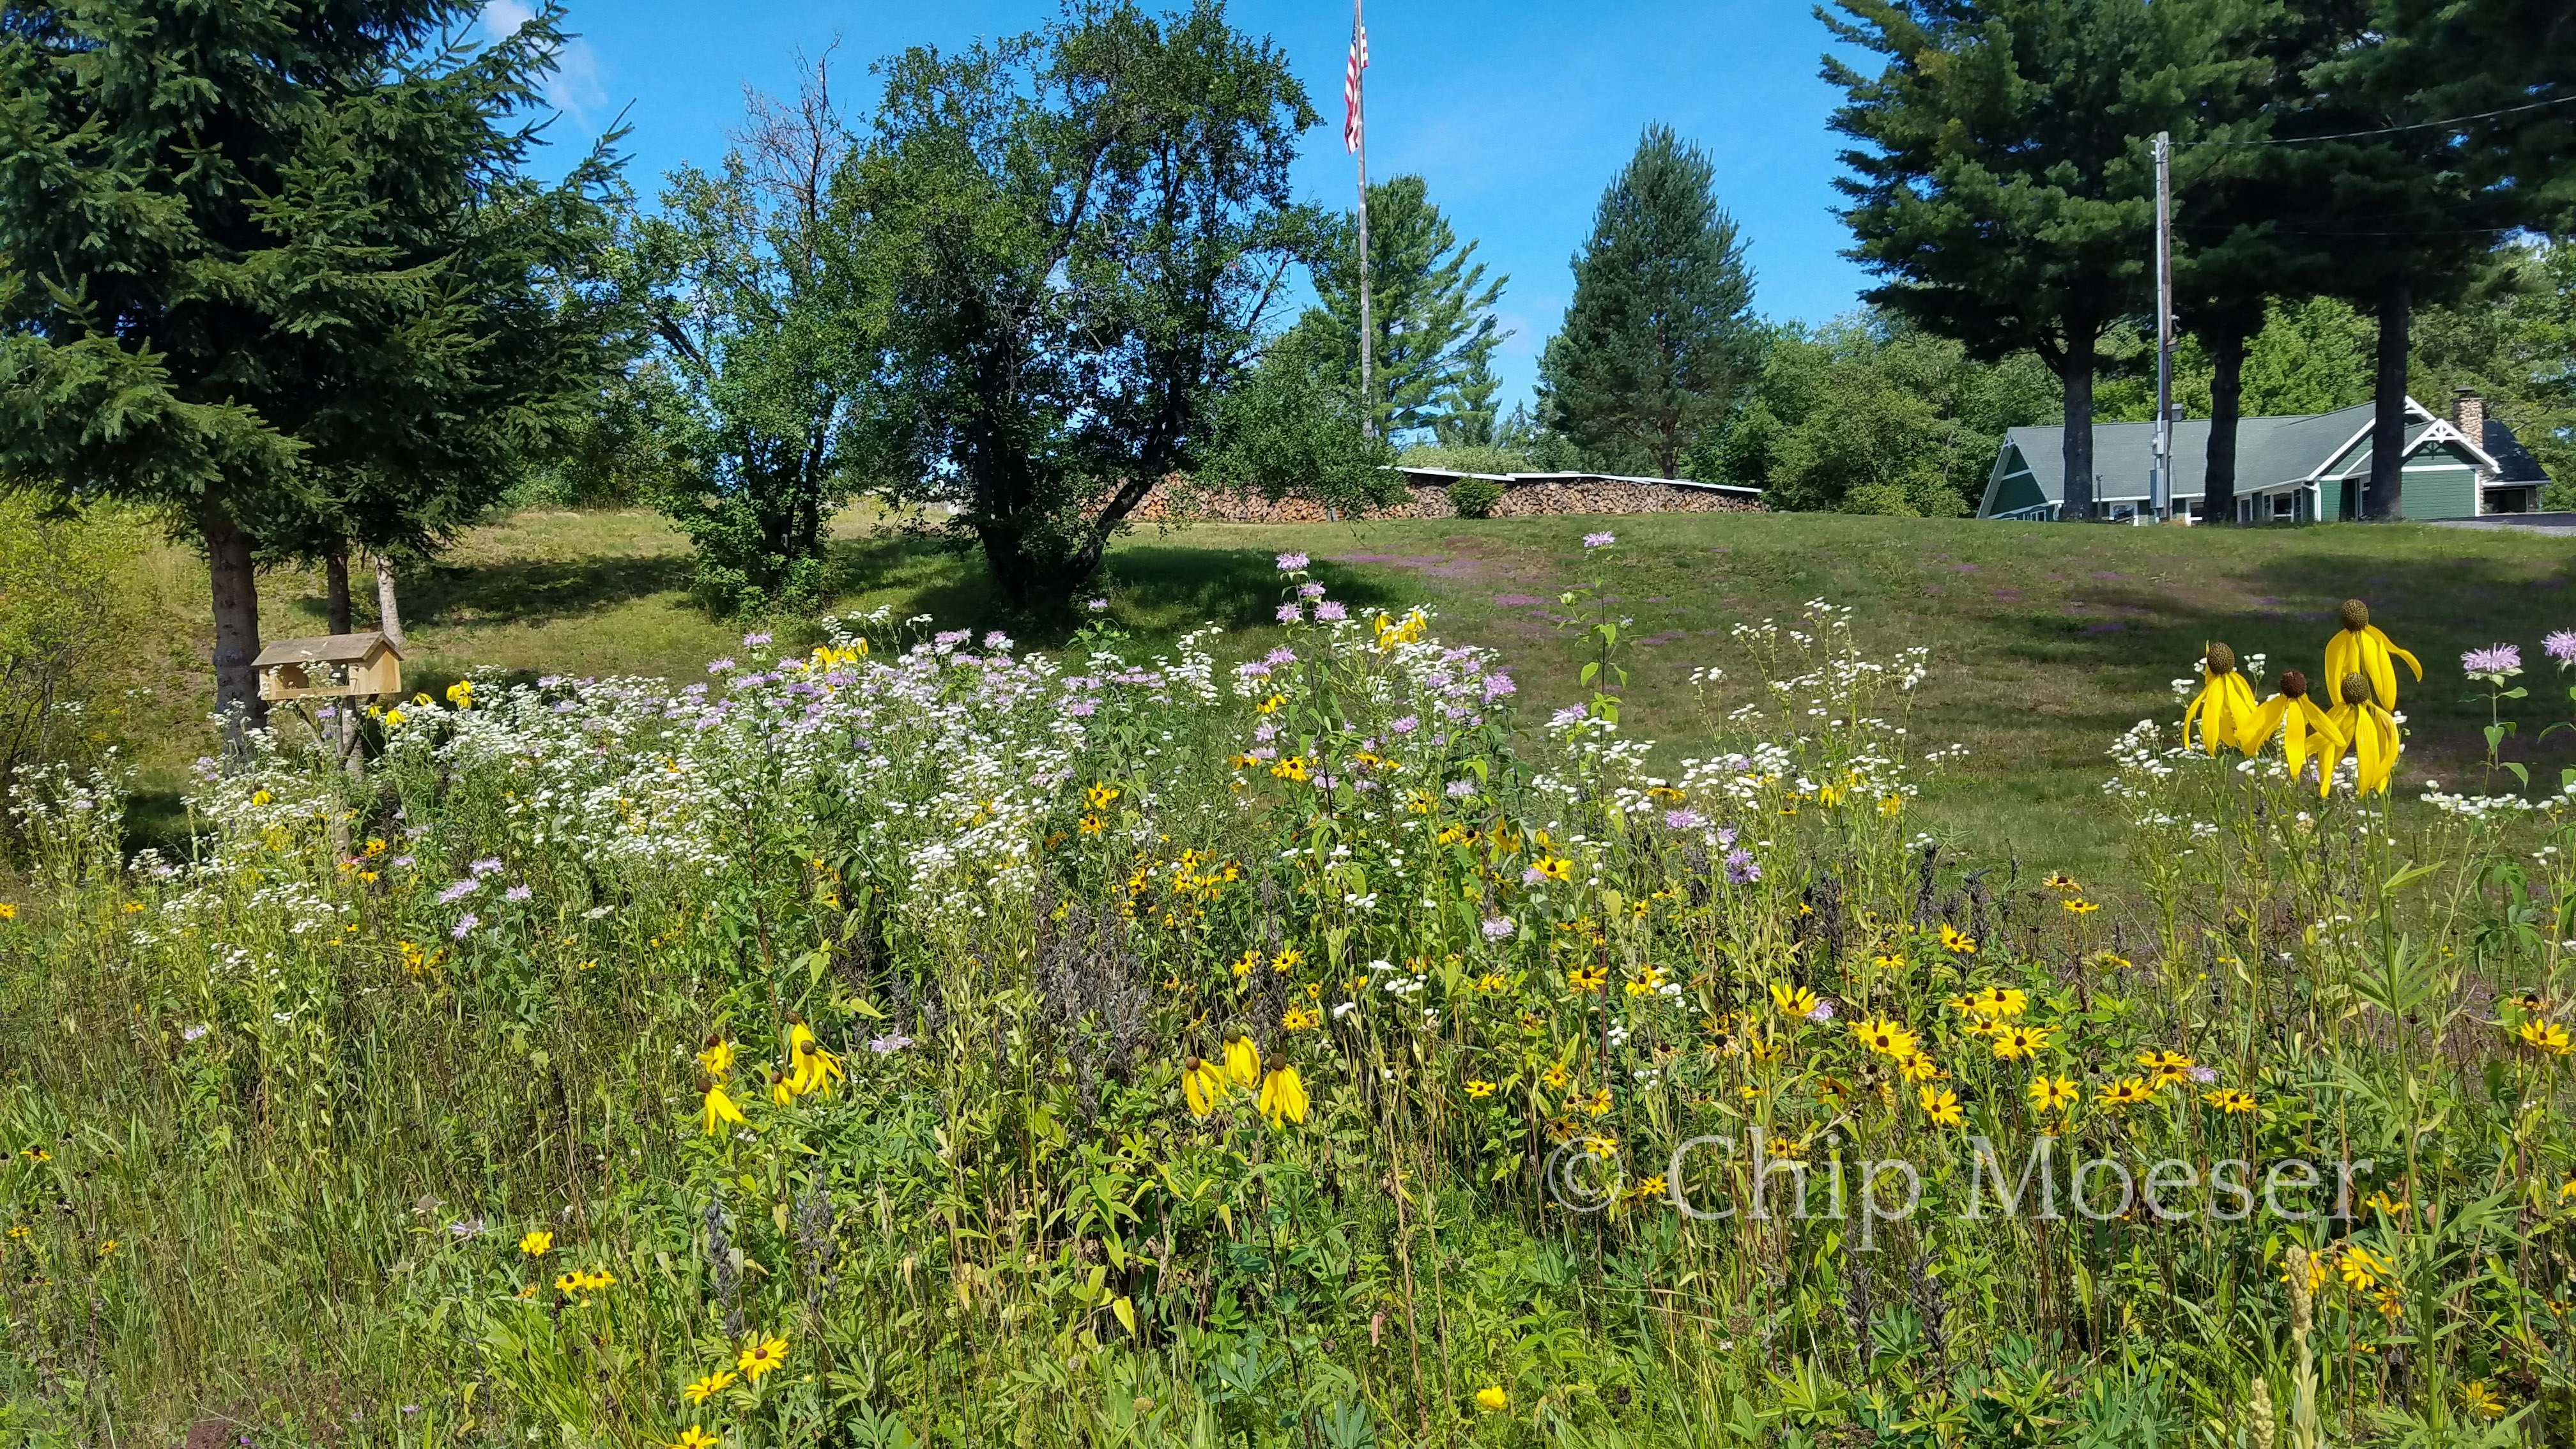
pixel 326 649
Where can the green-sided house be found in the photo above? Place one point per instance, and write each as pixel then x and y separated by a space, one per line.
pixel 2288 470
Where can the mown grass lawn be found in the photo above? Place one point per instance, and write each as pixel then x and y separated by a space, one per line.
pixel 2046 641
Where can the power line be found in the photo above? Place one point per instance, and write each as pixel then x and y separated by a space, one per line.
pixel 2391 130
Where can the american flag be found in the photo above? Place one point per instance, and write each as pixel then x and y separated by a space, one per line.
pixel 1351 87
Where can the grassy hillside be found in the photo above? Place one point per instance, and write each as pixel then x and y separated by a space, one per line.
pixel 2046 641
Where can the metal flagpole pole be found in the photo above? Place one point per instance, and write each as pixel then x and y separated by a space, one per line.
pixel 1359 118
pixel 2162 503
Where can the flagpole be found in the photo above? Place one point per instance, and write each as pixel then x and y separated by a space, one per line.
pixel 1368 331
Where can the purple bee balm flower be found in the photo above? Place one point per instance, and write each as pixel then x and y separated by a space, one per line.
pixel 1498 685
pixel 2561 646
pixel 1097 606
pixel 1310 591
pixel 1459 789
pixel 485 866
pixel 466 925
pixel 458 892
pixel 1404 725
pixel 2204 1075
pixel 1599 540
pixel 1325 782
pixel 1290 563
pixel 1290 614
pixel 2496 663
pixel 719 666
pixel 1281 655
pixel 1823 1013
pixel 1741 868
pixel 404 862
pixel 1497 929
pixel 1682 819
pixel 517 893
pixel 1571 714
pixel 754 640
pixel 1533 876
pixel 1083 708
pixel 893 1041
pixel 1330 611
pixel 997 640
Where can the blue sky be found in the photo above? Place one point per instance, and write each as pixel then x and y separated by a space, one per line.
pixel 1517 112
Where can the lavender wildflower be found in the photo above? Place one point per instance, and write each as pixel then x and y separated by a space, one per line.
pixel 1741 868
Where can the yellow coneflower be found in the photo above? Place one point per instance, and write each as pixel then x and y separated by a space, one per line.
pixel 2052 1094
pixel 2225 705
pixel 1478 1087
pixel 813 1067
pixel 1941 1105
pixel 782 1088
pixel 1283 1096
pixel 717 1059
pixel 2359 647
pixel 694 1437
pixel 1242 1060
pixel 2372 732
pixel 1203 1084
pixel 761 1356
pixel 2296 719
pixel 719 1108
pixel 2360 1267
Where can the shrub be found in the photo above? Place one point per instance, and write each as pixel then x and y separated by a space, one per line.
pixel 1475 497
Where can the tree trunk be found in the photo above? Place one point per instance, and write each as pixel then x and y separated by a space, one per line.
pixel 2385 499
pixel 388 613
pixel 236 608
pixel 335 570
pixel 2076 450
pixel 2226 402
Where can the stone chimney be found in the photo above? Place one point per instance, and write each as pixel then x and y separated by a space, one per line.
pixel 2469 414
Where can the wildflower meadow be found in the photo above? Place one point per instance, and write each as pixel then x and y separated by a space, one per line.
pixel 923 1040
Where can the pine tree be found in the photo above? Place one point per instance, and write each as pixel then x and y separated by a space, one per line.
pixel 245 255
pixel 1429 302
pixel 2004 183
pixel 1660 338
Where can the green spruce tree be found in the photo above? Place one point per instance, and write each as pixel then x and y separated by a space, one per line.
pixel 242 255
pixel 1660 338
pixel 1431 306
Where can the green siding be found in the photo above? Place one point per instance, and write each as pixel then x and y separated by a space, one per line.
pixel 2021 491
pixel 2441 490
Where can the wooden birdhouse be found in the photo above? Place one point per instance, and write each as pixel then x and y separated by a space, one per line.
pixel 329 666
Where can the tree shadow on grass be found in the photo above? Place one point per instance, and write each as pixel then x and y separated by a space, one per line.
pixel 532 592
pixel 1168 586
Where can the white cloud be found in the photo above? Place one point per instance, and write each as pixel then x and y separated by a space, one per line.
pixel 574 88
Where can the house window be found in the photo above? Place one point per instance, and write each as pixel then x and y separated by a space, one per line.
pixel 2285 507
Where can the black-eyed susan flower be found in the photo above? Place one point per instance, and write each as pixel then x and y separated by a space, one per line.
pixel 1479 1087
pixel 1941 1105
pixel 1587 978
pixel 2372 733
pixel 2359 647
pixel 1298 1018
pixel 1792 1000
pixel 698 1391
pixel 1099 796
pixel 2360 1267
pixel 1954 939
pixel 2224 707
pixel 2546 1036
pixel 718 1108
pixel 2080 907
pixel 1596 1105
pixel 2127 1092
pixel 1556 1076
pixel 694 1437
pixel 2230 1100
pixel 1887 1038
pixel 760 1356
pixel 2012 1043
pixel 2052 1094
pixel 2303 728
pixel 2059 880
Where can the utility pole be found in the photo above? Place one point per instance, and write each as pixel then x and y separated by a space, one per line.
pixel 2160 473
pixel 1356 124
